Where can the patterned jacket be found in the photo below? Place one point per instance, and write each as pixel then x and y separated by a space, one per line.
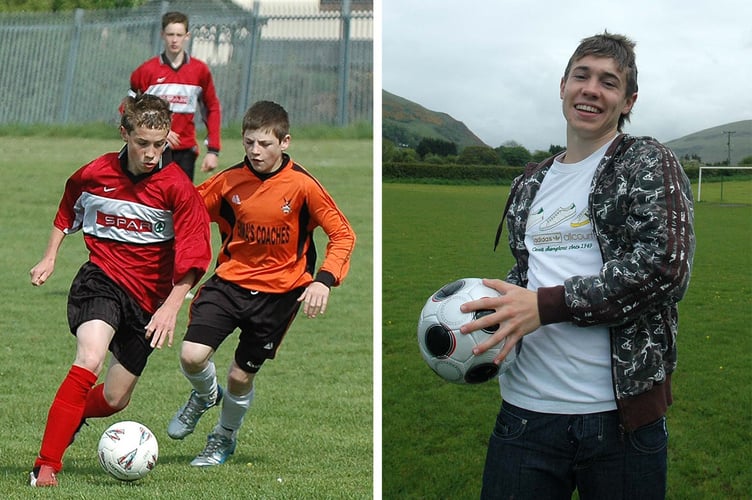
pixel 641 208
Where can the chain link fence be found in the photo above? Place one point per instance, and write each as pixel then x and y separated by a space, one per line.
pixel 74 67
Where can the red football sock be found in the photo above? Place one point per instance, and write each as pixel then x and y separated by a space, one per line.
pixel 64 416
pixel 96 404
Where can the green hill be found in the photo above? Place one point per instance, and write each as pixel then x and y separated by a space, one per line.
pixel 405 122
pixel 711 144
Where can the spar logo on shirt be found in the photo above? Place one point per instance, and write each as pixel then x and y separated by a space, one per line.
pixel 176 99
pixel 129 224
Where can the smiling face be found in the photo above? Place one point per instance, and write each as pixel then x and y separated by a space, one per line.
pixel 594 97
pixel 145 148
pixel 264 149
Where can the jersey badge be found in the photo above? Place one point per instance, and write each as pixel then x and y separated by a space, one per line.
pixel 286 208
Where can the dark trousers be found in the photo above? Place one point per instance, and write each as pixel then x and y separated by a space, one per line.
pixel 545 456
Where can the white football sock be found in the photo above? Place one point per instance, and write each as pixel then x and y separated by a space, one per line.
pixel 204 382
pixel 234 409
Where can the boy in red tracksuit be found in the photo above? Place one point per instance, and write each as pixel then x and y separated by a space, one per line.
pixel 187 84
pixel 149 241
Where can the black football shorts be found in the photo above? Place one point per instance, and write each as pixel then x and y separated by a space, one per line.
pixel 263 319
pixel 93 295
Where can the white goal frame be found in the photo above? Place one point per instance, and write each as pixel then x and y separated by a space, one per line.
pixel 699 180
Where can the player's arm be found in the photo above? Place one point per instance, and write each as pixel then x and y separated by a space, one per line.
pixel 211 161
pixel 336 262
pixel 314 298
pixel 41 272
pixel 212 115
pixel 161 327
pixel 516 311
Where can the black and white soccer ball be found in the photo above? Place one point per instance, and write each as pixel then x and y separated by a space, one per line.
pixel 448 352
pixel 128 450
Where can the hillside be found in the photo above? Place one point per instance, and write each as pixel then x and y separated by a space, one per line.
pixel 711 144
pixel 405 122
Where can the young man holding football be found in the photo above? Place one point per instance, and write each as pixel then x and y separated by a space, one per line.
pixel 187 84
pixel 149 241
pixel 266 207
pixel 584 403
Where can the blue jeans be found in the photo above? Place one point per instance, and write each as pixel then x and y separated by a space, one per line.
pixel 544 456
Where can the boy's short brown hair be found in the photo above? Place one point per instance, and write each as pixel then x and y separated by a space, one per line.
pixel 617 47
pixel 174 18
pixel 267 115
pixel 146 110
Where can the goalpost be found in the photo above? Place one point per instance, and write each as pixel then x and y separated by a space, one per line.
pixel 699 180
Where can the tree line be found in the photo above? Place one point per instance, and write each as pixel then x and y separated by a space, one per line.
pixel 65 5
pixel 441 152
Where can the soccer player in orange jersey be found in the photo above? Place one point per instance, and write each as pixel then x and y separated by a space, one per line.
pixel 267 207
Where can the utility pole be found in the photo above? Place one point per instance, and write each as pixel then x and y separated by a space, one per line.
pixel 728 144
pixel 728 147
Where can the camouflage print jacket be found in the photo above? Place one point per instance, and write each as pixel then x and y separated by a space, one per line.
pixel 642 213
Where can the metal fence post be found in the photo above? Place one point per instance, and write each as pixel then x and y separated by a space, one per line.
pixel 70 70
pixel 344 63
pixel 157 36
pixel 254 35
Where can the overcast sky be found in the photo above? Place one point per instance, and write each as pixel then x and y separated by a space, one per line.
pixel 496 64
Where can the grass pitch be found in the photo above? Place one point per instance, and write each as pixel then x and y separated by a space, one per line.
pixel 435 433
pixel 309 432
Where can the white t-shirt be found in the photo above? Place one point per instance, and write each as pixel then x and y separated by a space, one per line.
pixel 562 368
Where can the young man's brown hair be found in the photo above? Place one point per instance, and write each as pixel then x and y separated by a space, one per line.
pixel 617 47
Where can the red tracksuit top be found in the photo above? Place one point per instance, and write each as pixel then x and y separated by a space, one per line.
pixel 145 232
pixel 188 89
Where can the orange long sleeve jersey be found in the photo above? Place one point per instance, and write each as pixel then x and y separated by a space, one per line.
pixel 266 224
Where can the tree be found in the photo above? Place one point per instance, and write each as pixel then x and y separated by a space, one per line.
pixel 399 135
pixel 478 155
pixel 539 155
pixel 66 5
pixel 516 156
pixel 438 147
pixel 747 160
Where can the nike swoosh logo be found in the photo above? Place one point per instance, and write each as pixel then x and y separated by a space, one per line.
pixel 109 189
pixel 160 80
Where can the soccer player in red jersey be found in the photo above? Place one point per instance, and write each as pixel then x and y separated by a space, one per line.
pixel 267 208
pixel 149 241
pixel 187 84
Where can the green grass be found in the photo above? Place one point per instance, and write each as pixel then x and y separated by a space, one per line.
pixel 435 434
pixel 309 433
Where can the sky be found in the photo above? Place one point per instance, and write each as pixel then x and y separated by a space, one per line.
pixel 495 65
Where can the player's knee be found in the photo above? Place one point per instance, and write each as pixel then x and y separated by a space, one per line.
pixel 119 403
pixel 116 396
pixel 91 362
pixel 239 381
pixel 194 357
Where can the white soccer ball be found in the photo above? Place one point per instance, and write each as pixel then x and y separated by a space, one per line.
pixel 128 450
pixel 448 352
